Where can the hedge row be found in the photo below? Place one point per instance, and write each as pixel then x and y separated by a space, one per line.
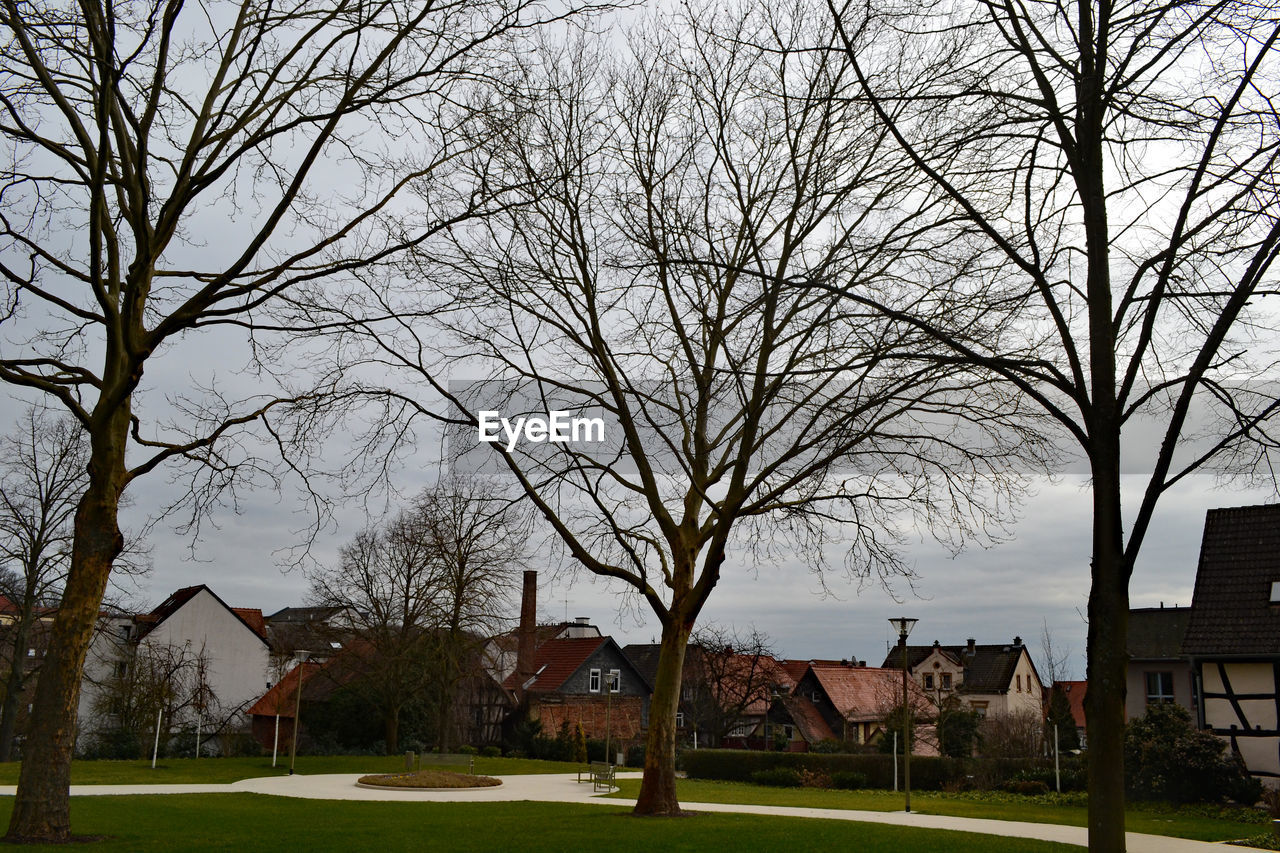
pixel 927 773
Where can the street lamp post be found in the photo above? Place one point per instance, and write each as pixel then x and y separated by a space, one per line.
pixel 904 626
pixel 297 709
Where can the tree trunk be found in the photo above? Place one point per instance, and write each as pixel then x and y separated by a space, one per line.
pixel 41 809
pixel 13 690
pixel 1104 701
pixel 658 789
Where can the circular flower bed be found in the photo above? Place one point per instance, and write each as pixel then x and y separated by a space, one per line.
pixel 428 779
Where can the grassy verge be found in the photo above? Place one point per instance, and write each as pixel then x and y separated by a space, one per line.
pixel 239 822
pixel 219 770
pixel 1199 823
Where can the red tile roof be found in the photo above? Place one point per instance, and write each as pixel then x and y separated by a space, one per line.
pixel 1075 691
pixel 556 660
pixel 863 693
pixel 252 616
pixel 281 698
pixel 795 669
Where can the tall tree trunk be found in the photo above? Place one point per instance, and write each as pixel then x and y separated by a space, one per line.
pixel 1104 701
pixel 17 676
pixel 658 789
pixel 41 809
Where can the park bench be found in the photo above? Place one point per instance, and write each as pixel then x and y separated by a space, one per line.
pixel 434 759
pixel 602 775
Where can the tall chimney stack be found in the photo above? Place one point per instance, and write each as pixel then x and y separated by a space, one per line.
pixel 527 634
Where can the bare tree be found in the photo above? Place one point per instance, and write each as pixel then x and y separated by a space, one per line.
pixel 479 542
pixel 172 166
pixel 1111 171
pixel 387 579
pixel 1054 656
pixel 421 591
pixel 664 204
pixel 42 474
pixel 728 672
pixel 154 684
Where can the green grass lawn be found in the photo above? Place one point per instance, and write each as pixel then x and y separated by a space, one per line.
pixel 217 770
pixel 1202 824
pixel 243 822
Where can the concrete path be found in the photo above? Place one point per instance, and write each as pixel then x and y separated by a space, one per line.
pixel 556 788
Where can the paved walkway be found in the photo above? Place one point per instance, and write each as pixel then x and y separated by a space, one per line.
pixel 556 788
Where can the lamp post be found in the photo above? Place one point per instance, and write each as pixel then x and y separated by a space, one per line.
pixel 297 708
pixel 904 626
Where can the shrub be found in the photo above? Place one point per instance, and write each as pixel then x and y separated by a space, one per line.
pixel 1166 758
pixel 929 773
pixel 958 732
pixel 777 777
pixel 814 779
pixel 114 744
pixel 635 756
pixel 848 780
pixel 468 750
pixel 1025 786
pixel 828 747
pixel 490 752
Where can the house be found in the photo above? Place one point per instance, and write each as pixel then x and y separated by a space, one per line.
pixel 853 701
pixel 797 723
pixel 213 660
pixel 1233 634
pixel 587 680
pixel 319 632
pixel 1157 671
pixel 724 694
pixel 990 679
pixel 1075 692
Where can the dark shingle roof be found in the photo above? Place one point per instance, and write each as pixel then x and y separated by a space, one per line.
pixel 988 669
pixel 644 657
pixel 1231 612
pixel 1156 633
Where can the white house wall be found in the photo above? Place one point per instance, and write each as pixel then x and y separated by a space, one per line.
pixel 237 657
pixel 1243 710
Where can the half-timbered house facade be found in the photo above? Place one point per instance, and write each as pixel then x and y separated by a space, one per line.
pixel 1233 634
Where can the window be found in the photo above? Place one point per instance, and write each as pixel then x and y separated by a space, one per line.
pixel 946 681
pixel 1159 687
pixel 1018 680
pixel 594 685
pixel 928 681
pixel 122 668
pixel 615 680
pixel 31 653
pixel 788 732
pixel 679 719
pixel 124 631
pixel 980 708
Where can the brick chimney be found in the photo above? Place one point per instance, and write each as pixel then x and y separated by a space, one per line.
pixel 527 634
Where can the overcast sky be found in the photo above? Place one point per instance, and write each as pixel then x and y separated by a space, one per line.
pixel 1040 577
